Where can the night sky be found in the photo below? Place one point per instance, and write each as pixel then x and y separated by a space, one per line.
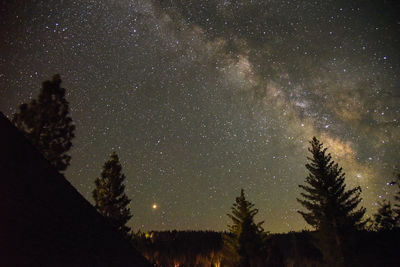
pixel 202 98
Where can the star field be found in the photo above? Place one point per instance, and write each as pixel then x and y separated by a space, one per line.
pixel 202 98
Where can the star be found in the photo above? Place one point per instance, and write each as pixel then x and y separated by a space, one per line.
pixel 200 102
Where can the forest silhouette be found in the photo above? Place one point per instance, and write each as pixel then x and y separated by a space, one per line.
pixel 341 235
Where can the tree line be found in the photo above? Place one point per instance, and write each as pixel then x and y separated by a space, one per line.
pixel 186 248
pixel 332 210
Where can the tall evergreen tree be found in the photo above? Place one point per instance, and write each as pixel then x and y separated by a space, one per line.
pixel 46 123
pixel 397 199
pixel 385 219
pixel 109 195
pixel 244 245
pixel 331 209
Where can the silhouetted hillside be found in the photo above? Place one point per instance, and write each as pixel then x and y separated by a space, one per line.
pixel 44 220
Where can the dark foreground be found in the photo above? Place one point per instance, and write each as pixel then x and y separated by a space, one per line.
pixel 204 248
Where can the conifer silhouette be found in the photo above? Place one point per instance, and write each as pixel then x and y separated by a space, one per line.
pixel 243 246
pixel 385 218
pixel 332 210
pixel 396 208
pixel 46 123
pixel 109 196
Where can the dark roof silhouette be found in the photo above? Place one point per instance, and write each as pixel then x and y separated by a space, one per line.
pixel 44 221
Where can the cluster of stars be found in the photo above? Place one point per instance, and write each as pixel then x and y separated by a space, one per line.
pixel 202 98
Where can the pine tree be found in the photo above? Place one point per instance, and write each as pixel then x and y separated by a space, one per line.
pixel 244 245
pixel 331 209
pixel 397 198
pixel 109 196
pixel 385 219
pixel 46 123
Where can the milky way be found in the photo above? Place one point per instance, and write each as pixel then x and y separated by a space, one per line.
pixel 202 98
